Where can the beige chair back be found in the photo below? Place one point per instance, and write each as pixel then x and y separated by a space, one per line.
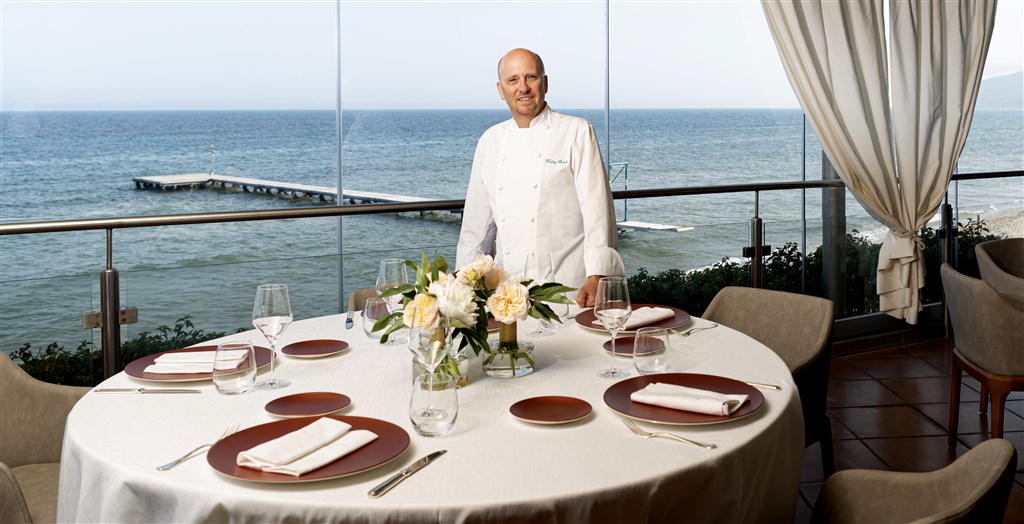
pixel 987 326
pixel 357 299
pixel 32 416
pixel 974 488
pixel 796 327
pixel 1001 263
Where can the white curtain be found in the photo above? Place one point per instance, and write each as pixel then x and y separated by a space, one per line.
pixel 893 125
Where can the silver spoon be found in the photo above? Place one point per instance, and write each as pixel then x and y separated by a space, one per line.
pixel 693 330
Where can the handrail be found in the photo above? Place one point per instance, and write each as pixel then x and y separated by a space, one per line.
pixel 52 226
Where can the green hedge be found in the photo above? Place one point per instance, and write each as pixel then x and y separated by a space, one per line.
pixel 693 290
pixel 84 365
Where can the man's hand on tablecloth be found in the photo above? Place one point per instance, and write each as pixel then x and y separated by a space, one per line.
pixel 588 291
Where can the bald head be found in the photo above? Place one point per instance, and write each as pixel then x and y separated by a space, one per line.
pixel 520 52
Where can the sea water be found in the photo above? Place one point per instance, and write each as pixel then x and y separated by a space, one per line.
pixel 74 165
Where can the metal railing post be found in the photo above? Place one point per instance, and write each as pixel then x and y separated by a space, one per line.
pixel 757 237
pixel 110 309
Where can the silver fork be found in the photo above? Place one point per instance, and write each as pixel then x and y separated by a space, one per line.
pixel 647 434
pixel 230 429
pixel 693 330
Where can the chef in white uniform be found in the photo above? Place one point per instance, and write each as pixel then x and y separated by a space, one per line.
pixel 538 198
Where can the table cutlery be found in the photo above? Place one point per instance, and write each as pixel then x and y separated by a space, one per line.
pixel 230 430
pixel 397 478
pixel 647 434
pixel 693 330
pixel 348 320
pixel 142 391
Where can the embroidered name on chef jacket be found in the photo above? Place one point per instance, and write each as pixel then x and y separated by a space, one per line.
pixel 552 161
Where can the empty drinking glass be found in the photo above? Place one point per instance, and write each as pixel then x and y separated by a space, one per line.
pixel 375 309
pixel 234 368
pixel 652 350
pixel 434 404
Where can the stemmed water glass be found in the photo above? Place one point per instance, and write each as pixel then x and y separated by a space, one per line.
pixel 392 273
pixel 429 345
pixel 546 328
pixel 612 308
pixel 271 315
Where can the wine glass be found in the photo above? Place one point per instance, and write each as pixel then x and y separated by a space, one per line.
pixel 392 273
pixel 546 328
pixel 612 308
pixel 271 315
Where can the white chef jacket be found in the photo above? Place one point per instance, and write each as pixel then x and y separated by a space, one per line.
pixel 539 202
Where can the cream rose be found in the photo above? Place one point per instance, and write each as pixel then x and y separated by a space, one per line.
pixel 477 270
pixel 423 310
pixel 510 302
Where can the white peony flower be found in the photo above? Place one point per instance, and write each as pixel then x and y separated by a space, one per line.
pixel 510 302
pixel 454 300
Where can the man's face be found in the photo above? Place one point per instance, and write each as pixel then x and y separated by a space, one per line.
pixel 522 85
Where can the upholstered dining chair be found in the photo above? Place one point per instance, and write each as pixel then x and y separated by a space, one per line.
pixel 974 488
pixel 32 417
pixel 799 329
pixel 357 298
pixel 988 344
pixel 1001 263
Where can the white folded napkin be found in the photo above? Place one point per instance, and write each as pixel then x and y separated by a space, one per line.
pixel 306 449
pixel 645 315
pixel 191 361
pixel 688 399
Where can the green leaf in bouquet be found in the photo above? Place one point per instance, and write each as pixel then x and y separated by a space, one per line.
pixel 397 290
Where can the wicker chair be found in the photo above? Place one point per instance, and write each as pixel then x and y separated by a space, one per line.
pixel 974 488
pixel 988 340
pixel 799 329
pixel 32 417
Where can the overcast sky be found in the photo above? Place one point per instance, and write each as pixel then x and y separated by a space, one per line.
pixel 113 55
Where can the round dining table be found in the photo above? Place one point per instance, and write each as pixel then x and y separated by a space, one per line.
pixel 498 468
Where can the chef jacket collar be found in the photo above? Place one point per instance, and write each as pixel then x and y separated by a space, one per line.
pixel 539 120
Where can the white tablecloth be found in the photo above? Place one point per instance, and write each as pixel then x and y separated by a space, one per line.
pixel 497 468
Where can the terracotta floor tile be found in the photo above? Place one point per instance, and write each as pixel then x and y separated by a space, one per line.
pixel 944 364
pixel 853 454
pixel 849 393
pixel 927 390
pixel 915 453
pixel 898 367
pixel 887 421
pixel 843 369
pixel 970 421
pixel 839 431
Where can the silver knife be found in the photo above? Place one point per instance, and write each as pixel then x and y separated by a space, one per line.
pixel 144 390
pixel 348 320
pixel 386 486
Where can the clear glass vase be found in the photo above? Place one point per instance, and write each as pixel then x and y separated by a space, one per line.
pixel 508 357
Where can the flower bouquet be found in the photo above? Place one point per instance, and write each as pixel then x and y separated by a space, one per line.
pixel 476 292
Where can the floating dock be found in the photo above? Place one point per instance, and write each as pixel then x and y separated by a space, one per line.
pixel 321 193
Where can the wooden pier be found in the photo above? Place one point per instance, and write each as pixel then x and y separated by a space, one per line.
pixel 270 187
pixel 321 193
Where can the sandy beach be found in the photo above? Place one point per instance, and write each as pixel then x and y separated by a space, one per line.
pixel 1010 225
